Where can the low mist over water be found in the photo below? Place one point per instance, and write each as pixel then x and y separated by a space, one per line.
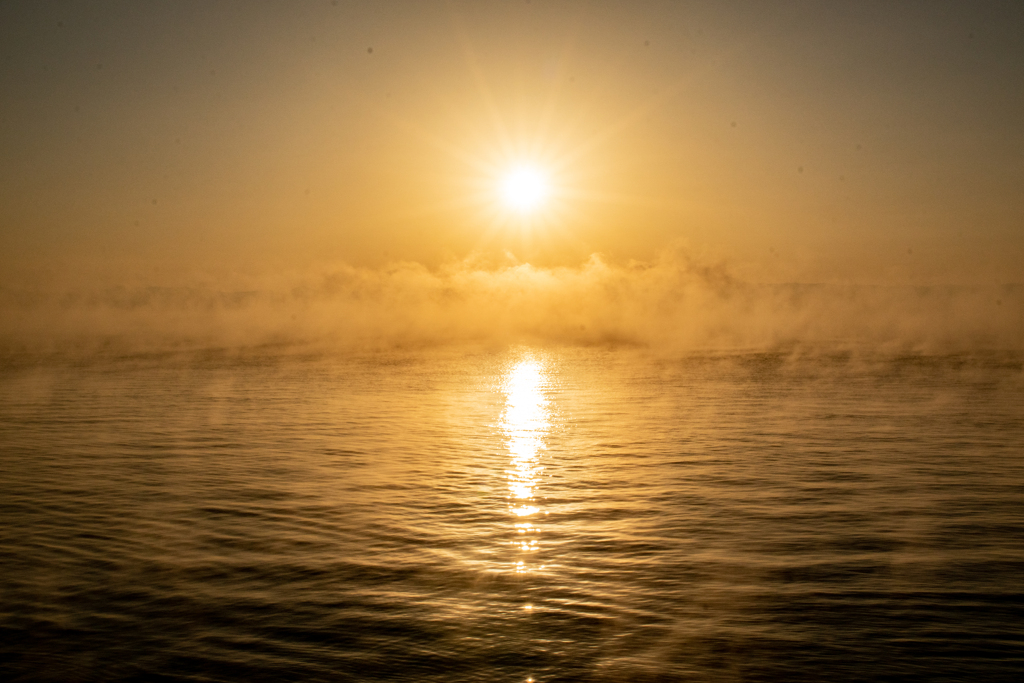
pixel 677 304
pixel 542 513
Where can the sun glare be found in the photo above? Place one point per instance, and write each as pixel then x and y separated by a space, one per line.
pixel 524 189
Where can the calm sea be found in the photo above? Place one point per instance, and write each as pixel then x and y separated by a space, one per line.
pixel 527 514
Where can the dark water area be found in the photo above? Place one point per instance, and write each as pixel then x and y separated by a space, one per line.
pixel 526 514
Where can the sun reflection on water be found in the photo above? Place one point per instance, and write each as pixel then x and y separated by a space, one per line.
pixel 525 423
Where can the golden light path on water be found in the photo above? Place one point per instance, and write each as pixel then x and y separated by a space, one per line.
pixel 525 422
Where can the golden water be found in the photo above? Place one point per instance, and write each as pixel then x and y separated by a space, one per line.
pixel 532 513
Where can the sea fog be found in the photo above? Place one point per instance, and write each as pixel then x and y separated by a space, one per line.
pixel 676 305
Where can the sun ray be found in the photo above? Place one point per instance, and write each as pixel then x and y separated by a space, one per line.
pixel 483 89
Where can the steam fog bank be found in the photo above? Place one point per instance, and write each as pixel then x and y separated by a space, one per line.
pixel 675 305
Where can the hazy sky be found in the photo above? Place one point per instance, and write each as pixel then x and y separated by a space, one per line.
pixel 860 141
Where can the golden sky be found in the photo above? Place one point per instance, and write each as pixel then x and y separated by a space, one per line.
pixel 797 141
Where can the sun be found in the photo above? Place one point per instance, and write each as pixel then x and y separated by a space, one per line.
pixel 524 189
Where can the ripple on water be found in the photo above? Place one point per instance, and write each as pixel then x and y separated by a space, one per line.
pixel 555 514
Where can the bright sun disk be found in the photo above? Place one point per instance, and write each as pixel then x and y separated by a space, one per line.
pixel 524 189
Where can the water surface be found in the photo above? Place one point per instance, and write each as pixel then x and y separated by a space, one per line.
pixel 532 513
